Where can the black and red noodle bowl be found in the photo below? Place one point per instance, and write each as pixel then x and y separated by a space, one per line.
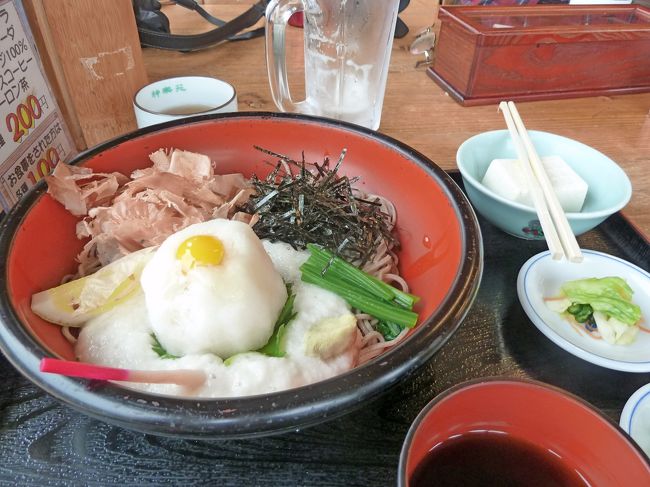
pixel 441 258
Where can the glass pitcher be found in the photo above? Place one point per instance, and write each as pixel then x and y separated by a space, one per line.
pixel 347 52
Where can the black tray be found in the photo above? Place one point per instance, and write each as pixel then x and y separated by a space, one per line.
pixel 45 443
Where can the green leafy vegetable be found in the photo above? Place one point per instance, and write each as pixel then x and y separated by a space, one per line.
pixel 275 346
pixel 360 290
pixel 389 330
pixel 611 296
pixel 581 312
pixel 381 310
pixel 160 350
pixel 328 263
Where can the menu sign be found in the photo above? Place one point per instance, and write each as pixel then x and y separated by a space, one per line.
pixel 33 136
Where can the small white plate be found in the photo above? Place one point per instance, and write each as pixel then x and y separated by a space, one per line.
pixel 541 277
pixel 635 418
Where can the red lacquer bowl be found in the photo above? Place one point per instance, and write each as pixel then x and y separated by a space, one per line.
pixel 441 258
pixel 552 419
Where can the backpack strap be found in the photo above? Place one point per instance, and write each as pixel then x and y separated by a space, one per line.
pixel 225 31
pixel 146 10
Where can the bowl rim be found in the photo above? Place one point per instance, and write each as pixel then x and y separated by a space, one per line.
pixel 476 184
pixel 494 381
pixel 629 410
pixel 239 417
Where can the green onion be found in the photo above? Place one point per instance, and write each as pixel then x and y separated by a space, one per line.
pixel 329 263
pixel 390 306
pixel 359 299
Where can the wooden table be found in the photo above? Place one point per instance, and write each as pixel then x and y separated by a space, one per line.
pixel 45 443
pixel 418 112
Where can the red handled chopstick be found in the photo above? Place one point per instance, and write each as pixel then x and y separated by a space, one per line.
pixel 182 377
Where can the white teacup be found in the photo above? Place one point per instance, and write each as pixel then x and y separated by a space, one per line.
pixel 185 96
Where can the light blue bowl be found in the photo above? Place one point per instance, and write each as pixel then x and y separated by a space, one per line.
pixel 609 187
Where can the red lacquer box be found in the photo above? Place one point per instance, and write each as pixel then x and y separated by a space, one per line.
pixel 486 54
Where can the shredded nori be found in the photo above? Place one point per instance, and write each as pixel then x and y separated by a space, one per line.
pixel 300 205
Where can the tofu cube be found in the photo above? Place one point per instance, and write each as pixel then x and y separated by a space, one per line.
pixel 506 177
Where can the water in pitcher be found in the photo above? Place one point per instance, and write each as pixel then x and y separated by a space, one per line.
pixel 347 52
pixel 347 49
pixel 344 94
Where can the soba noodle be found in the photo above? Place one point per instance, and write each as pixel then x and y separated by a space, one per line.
pixel 383 265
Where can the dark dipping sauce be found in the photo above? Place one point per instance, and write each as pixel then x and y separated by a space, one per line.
pixel 492 459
